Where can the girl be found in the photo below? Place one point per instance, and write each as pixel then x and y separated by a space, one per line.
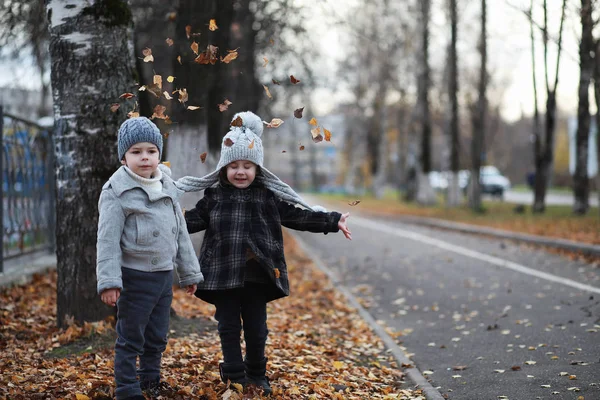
pixel 242 211
pixel 141 236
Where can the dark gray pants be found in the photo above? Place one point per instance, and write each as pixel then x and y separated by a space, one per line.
pixel 142 327
pixel 250 304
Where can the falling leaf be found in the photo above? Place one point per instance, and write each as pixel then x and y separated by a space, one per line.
pixel 179 60
pixel 203 157
pixel 183 95
pixel 172 16
pixel 167 95
pixel 276 82
pixel 277 273
pixel 265 61
pixel 169 42
pixel 458 367
pixel 133 114
pixel 327 135
pixel 301 147
pixel 188 30
pixel 225 105
pixel 170 78
pixel 298 112
pixel 267 92
pixel 313 121
pixel 272 42
pixel 147 52
pixel 237 122
pixel 352 204
pixel 294 80
pixel 231 55
pixel 572 377
pixel 316 135
pixel 168 120
pixel 275 123
pixel 126 96
pixel 193 108
pixel 228 142
pixel 114 107
pixel 212 25
pixel 158 81
pixel 209 56
pixel 167 163
pixel 251 145
pixel 159 112
pixel 194 47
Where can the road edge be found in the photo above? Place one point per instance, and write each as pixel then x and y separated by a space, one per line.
pixel 413 373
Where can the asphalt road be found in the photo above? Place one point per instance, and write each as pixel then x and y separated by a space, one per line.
pixel 482 318
pixel 552 198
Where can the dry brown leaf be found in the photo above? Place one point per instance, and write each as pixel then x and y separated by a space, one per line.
pixel 158 112
pixel 313 122
pixel 126 96
pixel 275 123
pixel 169 42
pixel 265 61
pixel 228 142
pixel 316 135
pixel 277 273
pixel 179 60
pixel 237 122
pixel 133 114
pixel 267 92
pixel 158 81
pixel 225 105
pixel 276 82
pixel 327 135
pixel 167 95
pixel 212 25
pixel 147 52
pixel 294 80
pixel 203 157
pixel 231 55
pixel 193 108
pixel 272 42
pixel 298 112
pixel 209 56
pixel 183 95
pixel 114 107
pixel 194 47
pixel 301 147
pixel 188 31
pixel 355 202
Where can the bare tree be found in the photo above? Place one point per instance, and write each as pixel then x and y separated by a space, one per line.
pixel 544 149
pixel 479 113
pixel 597 99
pixel 581 187
pixel 92 40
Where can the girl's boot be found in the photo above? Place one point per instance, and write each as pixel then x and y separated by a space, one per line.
pixel 233 372
pixel 256 374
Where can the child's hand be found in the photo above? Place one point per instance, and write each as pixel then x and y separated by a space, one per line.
pixel 191 289
pixel 110 296
pixel 343 227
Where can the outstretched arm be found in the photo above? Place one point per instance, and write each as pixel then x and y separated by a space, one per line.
pixel 344 227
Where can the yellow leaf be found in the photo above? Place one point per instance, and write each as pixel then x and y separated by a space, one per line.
pixel 327 134
pixel 232 55
pixel 313 121
pixel 80 396
pixel 170 79
pixel 194 47
pixel 338 365
pixel 266 61
pixel 212 25
pixel 277 273
pixel 251 145
pixel 158 81
pixel 167 163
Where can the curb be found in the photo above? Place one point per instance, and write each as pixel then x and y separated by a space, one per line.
pixel 22 269
pixel 563 244
pixel 413 373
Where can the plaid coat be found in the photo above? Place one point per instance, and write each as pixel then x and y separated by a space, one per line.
pixel 239 222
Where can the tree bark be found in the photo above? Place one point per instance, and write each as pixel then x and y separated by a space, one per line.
pixel 586 62
pixel 479 119
pixel 453 195
pixel 90 69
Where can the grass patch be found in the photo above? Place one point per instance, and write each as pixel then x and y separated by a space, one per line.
pixel 557 221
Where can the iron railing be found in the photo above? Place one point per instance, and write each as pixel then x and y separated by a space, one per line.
pixel 27 192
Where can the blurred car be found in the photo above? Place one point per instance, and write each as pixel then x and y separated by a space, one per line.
pixel 492 181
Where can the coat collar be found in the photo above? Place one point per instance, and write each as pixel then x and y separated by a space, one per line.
pixel 121 182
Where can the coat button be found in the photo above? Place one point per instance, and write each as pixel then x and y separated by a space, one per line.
pixel 174 230
pixel 155 261
pixel 166 202
pixel 155 233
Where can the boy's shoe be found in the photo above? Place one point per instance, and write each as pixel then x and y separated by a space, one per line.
pixel 256 375
pixel 233 372
pixel 150 387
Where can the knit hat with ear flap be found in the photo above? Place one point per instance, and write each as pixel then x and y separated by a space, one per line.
pixel 243 142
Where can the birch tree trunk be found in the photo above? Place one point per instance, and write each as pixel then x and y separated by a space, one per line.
pixel 90 69
pixel 580 179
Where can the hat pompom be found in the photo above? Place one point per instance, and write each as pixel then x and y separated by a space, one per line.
pixel 319 208
pixel 250 121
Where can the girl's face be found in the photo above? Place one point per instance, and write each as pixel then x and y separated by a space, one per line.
pixel 241 173
pixel 142 158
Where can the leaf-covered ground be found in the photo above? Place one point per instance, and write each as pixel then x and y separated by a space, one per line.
pixel 319 348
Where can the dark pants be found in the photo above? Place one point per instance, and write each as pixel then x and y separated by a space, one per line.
pixel 250 303
pixel 142 326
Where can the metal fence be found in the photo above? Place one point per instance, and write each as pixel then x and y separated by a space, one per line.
pixel 27 192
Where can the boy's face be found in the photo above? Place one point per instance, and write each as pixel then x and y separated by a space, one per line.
pixel 241 174
pixel 142 158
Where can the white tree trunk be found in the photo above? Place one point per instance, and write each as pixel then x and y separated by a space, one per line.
pixel 425 193
pixel 90 69
pixel 454 196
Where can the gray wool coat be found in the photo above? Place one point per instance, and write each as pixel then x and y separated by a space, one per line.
pixel 142 230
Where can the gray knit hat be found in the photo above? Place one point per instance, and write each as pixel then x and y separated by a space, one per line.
pixel 244 143
pixel 136 130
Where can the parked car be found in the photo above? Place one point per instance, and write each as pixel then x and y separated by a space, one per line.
pixel 492 181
